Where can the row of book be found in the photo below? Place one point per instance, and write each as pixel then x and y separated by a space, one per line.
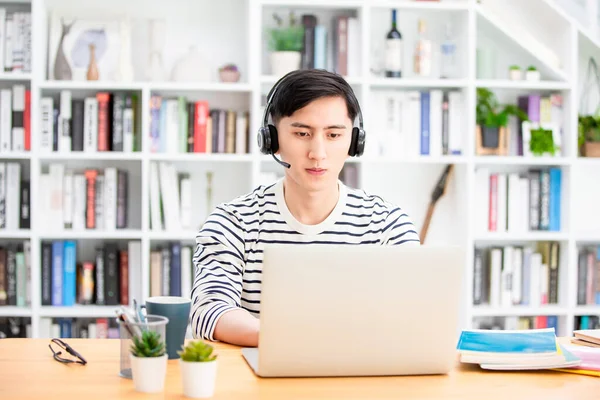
pixel 84 199
pixel 518 202
pixel 15 197
pixel 516 275
pixel 15 41
pixel 84 328
pixel 15 274
pixel 171 198
pixel 517 322
pixel 171 270
pixel 417 123
pixel 15 118
pixel 588 276
pixel 111 276
pixel 181 126
pixel 105 122
pixel 333 44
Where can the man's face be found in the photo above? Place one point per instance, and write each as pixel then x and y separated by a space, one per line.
pixel 315 141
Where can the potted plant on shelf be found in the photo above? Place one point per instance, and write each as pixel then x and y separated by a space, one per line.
pixel 198 369
pixel 589 135
pixel 532 74
pixel 492 123
pixel 514 73
pixel 541 142
pixel 286 43
pixel 148 362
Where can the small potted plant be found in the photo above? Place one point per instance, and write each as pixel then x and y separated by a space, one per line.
pixel 589 135
pixel 514 73
pixel 532 74
pixel 286 43
pixel 492 117
pixel 148 362
pixel 229 73
pixel 198 369
pixel 542 143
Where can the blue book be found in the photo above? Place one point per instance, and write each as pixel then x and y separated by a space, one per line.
pixel 535 341
pixel 425 104
pixel 57 273
pixel 555 194
pixel 69 273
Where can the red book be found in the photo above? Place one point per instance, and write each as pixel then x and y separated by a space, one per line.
pixel 90 202
pixel 200 126
pixel 124 271
pixel 493 213
pixel 103 121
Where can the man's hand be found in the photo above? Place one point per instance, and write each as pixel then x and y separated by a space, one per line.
pixel 237 327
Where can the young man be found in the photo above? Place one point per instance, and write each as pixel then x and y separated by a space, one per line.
pixel 313 112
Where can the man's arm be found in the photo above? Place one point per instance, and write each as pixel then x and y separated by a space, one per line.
pixel 217 291
pixel 399 229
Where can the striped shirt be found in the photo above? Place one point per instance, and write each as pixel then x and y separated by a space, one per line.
pixel 228 256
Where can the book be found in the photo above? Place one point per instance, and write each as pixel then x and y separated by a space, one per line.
pixel 564 359
pixel 588 335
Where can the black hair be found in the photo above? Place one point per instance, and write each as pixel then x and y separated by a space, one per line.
pixel 301 87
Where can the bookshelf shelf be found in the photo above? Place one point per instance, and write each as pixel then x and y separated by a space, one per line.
pixel 12 311
pixel 531 236
pixel 16 155
pixel 16 234
pixel 96 156
pixel 519 160
pixel 417 83
pixel 587 310
pixel 78 311
pixel 199 87
pixel 270 80
pixel 588 237
pixel 134 234
pixel 334 4
pixel 459 5
pixel 518 311
pixel 524 85
pixel 92 85
pixel 200 157
pixel 416 160
pixel 188 235
pixel 15 77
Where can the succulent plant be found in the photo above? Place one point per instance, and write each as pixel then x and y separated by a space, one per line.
pixel 197 351
pixel 149 344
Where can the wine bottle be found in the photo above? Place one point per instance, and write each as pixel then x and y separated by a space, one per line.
pixel 448 50
pixel 393 51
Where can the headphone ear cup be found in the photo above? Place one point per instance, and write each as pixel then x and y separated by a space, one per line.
pixel 274 140
pixel 360 142
pixel 356 148
pixel 264 140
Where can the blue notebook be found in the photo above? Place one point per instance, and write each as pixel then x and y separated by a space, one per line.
pixel 533 341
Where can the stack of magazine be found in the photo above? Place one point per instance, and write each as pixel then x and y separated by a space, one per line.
pixel 530 349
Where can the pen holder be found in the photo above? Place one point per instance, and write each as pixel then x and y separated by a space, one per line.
pixel 154 323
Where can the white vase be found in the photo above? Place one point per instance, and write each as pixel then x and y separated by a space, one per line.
pixel 198 378
pixel 283 62
pixel 532 75
pixel 515 74
pixel 149 373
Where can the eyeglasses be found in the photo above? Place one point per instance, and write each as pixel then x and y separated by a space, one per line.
pixel 69 350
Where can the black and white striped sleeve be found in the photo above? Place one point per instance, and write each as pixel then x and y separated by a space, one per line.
pixel 399 229
pixel 218 269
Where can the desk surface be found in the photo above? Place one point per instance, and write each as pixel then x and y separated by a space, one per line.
pixel 28 371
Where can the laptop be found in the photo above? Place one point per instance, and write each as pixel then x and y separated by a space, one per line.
pixel 331 310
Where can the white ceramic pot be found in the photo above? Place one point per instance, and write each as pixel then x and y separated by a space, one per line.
pixel 149 373
pixel 532 75
pixel 198 378
pixel 515 74
pixel 283 62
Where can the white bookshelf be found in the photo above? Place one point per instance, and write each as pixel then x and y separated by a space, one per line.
pixel 405 181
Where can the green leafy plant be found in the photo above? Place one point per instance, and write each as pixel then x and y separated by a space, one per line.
pixel 149 344
pixel 286 38
pixel 197 351
pixel 531 68
pixel 542 142
pixel 589 129
pixel 515 68
pixel 491 113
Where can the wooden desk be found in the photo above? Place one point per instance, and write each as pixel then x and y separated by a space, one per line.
pixel 28 371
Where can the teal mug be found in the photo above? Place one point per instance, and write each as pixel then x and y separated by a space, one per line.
pixel 177 310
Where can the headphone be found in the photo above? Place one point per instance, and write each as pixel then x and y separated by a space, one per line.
pixel 268 142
